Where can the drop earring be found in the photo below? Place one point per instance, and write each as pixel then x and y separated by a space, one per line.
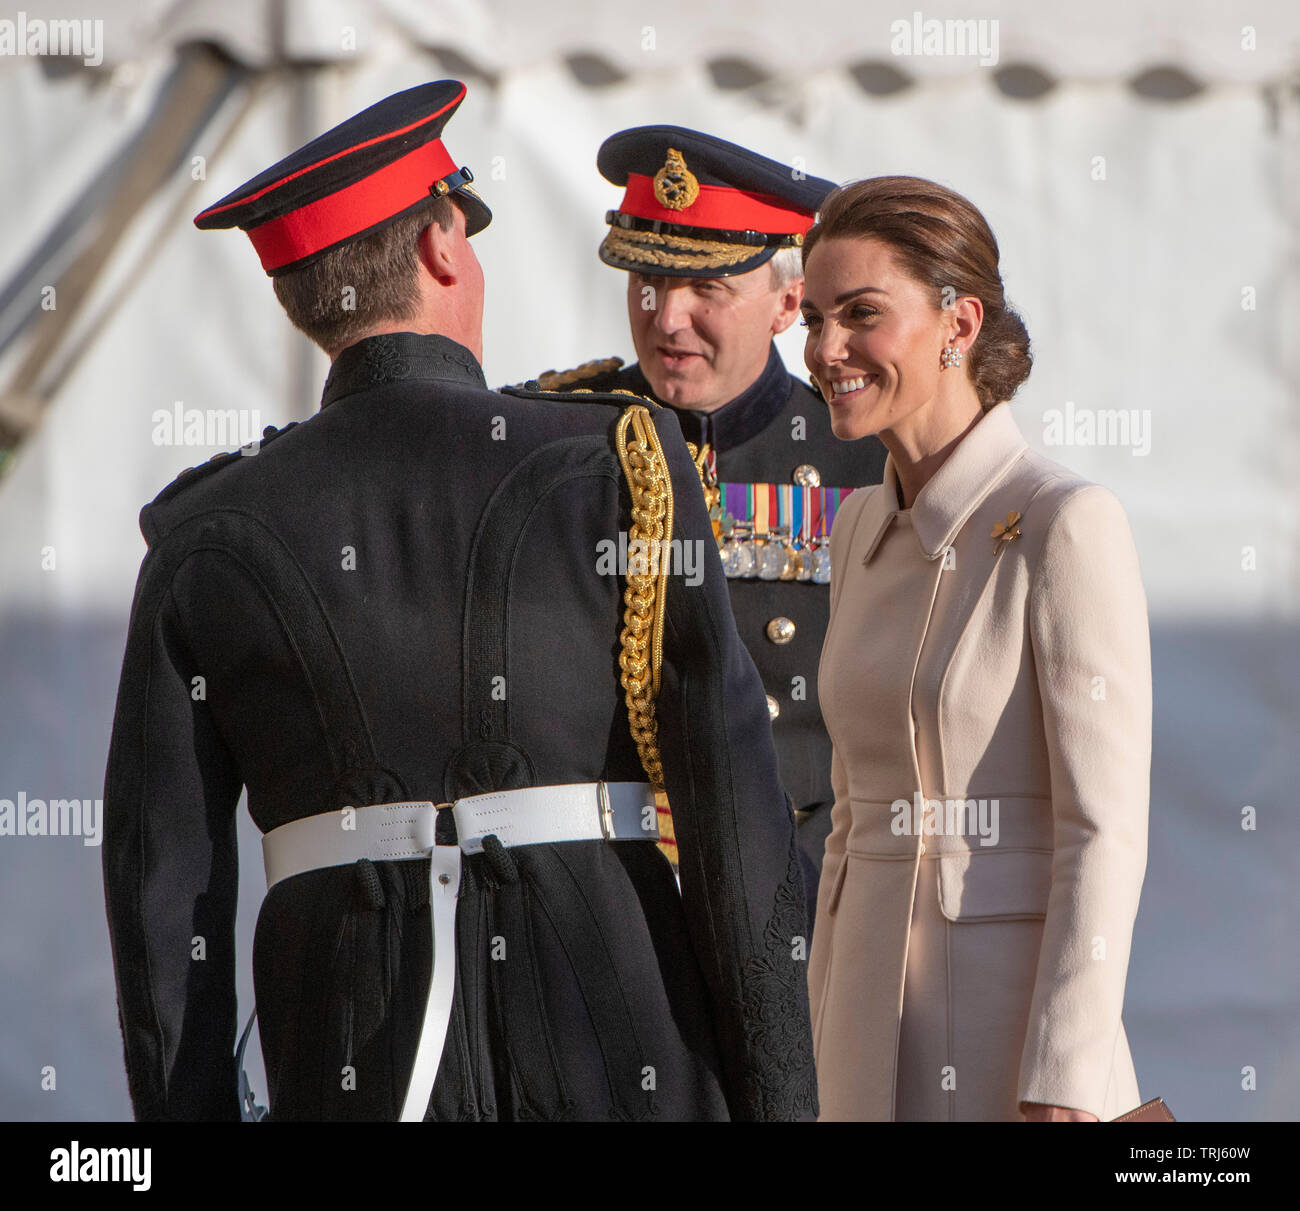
pixel 951 356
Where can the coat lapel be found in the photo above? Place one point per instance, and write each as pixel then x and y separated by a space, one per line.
pixel 977 465
pixel 970 473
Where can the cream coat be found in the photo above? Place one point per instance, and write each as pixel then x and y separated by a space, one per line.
pixel 1021 677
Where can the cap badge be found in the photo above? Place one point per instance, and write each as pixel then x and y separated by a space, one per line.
pixel 675 184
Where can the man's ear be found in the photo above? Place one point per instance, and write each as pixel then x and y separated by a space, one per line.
pixel 437 251
pixel 788 299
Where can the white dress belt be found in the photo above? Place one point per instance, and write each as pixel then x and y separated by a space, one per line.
pixel 531 815
pixel 386 832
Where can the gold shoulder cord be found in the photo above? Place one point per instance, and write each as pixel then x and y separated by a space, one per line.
pixel 651 530
pixel 708 481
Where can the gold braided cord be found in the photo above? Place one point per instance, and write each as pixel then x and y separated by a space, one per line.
pixel 650 531
pixel 557 380
pixel 685 253
pixel 708 481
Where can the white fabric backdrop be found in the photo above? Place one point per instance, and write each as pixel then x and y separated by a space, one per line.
pixel 1131 288
pixel 1101 40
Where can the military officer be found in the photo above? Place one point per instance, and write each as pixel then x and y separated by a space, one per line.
pixel 709 234
pixel 390 625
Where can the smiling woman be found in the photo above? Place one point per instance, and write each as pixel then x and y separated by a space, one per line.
pixel 987 642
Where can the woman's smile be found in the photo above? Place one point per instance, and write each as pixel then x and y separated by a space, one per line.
pixel 845 389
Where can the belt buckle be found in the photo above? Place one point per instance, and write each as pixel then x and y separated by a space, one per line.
pixel 606 811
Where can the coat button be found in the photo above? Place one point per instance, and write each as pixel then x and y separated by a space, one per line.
pixel 773 707
pixel 807 476
pixel 780 630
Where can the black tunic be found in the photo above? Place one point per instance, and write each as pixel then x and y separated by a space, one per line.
pixel 350 596
pixel 756 440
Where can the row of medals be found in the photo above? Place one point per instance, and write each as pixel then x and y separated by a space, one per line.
pixel 774 555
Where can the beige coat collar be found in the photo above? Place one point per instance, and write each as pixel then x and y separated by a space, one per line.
pixel 954 492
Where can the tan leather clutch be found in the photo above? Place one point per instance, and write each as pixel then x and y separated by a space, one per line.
pixel 1154 1111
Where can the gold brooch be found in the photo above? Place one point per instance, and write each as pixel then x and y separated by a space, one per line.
pixel 675 184
pixel 1006 531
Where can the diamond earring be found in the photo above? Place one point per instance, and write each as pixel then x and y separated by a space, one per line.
pixel 951 356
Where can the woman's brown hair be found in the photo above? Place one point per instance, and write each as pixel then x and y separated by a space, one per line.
pixel 942 241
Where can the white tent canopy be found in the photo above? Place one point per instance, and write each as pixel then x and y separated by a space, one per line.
pixel 1103 40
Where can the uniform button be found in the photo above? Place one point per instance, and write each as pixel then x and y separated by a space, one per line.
pixel 780 630
pixel 773 707
pixel 807 476
pixel 923 847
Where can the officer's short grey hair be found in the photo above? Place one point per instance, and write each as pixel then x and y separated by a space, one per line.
pixel 787 265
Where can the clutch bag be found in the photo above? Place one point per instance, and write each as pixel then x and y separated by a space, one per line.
pixel 1154 1111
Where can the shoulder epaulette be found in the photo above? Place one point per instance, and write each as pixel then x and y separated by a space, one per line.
pixel 558 380
pixel 191 475
pixel 619 396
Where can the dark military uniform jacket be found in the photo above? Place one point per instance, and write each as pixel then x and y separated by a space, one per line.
pixel 755 440
pixel 327 622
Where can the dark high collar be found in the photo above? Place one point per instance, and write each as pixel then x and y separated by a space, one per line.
pixel 744 417
pixel 395 356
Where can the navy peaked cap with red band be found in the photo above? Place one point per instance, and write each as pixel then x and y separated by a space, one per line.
pixel 696 206
pixel 353 181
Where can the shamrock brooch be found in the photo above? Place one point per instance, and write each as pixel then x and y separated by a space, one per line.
pixel 1005 531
